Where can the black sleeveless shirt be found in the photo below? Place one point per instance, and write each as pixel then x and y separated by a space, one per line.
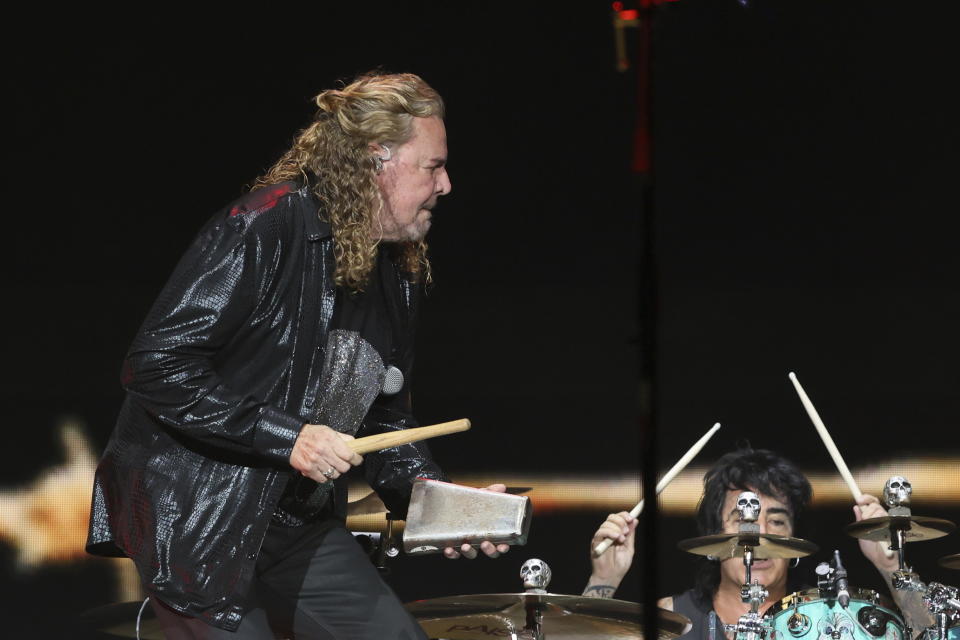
pixel 706 623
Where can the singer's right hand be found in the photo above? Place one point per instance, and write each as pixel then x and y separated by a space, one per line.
pixel 322 454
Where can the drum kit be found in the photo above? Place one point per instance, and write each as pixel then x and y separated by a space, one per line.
pixel 832 611
pixel 835 611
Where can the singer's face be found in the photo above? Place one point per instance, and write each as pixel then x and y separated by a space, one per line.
pixel 775 518
pixel 411 182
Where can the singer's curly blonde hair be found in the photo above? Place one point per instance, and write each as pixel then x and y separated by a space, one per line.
pixel 333 156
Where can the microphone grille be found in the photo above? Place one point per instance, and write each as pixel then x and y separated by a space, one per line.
pixel 392 381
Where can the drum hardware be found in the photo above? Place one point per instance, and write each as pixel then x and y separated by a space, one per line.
pixel 813 615
pixel 507 615
pixel 900 526
pixel 873 621
pixel 750 626
pixel 536 614
pixel 380 545
pixel 832 580
pixel 832 585
pixel 944 603
pixel 376 530
pixel 798 624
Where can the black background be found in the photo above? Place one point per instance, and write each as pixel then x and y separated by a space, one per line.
pixel 804 160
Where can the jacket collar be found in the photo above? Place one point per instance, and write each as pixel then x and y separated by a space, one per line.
pixel 317 229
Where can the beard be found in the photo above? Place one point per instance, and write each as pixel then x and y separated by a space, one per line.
pixel 392 230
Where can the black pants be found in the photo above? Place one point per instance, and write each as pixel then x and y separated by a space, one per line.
pixel 312 581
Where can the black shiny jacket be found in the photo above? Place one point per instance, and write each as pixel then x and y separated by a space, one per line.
pixel 220 379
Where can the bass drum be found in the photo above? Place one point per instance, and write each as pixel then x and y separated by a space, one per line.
pixel 805 614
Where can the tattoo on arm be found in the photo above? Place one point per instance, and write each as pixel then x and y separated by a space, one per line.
pixel 915 612
pixel 599 591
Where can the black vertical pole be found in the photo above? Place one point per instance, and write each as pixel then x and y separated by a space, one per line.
pixel 647 320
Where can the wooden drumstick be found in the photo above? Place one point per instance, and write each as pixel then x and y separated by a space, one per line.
pixel 665 480
pixel 406 436
pixel 828 442
pixel 825 436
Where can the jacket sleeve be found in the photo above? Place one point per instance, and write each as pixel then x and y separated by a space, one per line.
pixel 391 472
pixel 170 368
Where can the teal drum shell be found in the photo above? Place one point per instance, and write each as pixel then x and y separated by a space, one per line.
pixel 953 633
pixel 806 615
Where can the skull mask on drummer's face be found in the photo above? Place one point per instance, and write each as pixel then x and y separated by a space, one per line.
pixel 896 493
pixel 748 504
pixel 535 574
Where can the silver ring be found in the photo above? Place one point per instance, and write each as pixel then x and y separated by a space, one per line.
pixel 328 473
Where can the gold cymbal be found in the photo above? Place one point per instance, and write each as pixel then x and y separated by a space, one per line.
pixel 368 504
pixel 488 615
pixel 765 545
pixel 915 528
pixel 950 562
pixel 373 522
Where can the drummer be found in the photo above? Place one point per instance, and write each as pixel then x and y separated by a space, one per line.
pixel 784 492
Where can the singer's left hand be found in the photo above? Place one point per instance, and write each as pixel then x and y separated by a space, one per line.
pixel 867 507
pixel 490 549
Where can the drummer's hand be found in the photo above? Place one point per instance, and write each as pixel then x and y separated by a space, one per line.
pixel 867 507
pixel 492 550
pixel 610 567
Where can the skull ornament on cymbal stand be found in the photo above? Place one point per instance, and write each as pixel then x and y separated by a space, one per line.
pixel 536 575
pixel 896 493
pixel 748 504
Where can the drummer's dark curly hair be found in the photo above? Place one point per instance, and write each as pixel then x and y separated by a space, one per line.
pixel 745 469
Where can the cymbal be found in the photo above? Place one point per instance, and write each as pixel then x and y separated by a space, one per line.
pixel 916 528
pixel 120 620
pixel 950 562
pixel 731 545
pixel 373 522
pixel 368 504
pixel 566 617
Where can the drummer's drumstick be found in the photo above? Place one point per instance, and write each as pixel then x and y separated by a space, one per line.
pixel 825 436
pixel 828 442
pixel 665 480
pixel 406 436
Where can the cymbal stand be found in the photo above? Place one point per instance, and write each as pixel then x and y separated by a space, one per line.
pixel 387 547
pixel 897 494
pixel 903 578
pixel 749 626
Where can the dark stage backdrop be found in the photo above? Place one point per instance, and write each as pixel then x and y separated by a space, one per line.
pixel 125 142
pixel 806 154
pixel 803 156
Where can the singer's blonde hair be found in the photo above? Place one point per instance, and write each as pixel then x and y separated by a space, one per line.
pixel 332 155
